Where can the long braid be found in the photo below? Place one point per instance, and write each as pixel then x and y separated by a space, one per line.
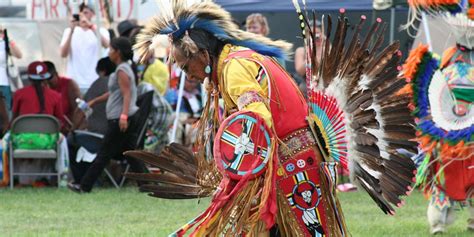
pixel 39 92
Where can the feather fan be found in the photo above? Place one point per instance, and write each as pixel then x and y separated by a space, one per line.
pixel 360 79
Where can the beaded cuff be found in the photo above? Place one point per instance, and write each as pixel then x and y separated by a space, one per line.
pixel 248 98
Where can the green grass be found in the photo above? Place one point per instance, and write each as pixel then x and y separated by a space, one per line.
pixel 125 212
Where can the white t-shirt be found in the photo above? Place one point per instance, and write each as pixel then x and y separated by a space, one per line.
pixel 83 55
pixel 3 65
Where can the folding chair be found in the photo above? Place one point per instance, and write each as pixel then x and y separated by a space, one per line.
pixel 91 141
pixel 34 123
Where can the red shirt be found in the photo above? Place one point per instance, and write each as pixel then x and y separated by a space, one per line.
pixel 25 101
pixel 63 89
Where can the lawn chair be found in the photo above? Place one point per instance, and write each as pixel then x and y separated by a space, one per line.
pixel 34 123
pixel 91 141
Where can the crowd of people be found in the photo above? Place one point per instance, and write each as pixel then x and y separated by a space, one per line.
pixel 112 106
pixel 110 86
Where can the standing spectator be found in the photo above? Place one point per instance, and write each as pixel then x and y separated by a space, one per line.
pixel 156 72
pixel 4 121
pixel 96 122
pixel 66 87
pixel 8 48
pixel 121 111
pixel 257 24
pixel 128 28
pixel 80 45
pixel 300 57
pixel 37 98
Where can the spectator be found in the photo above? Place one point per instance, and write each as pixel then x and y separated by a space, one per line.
pixel 300 57
pixel 159 120
pixel 96 122
pixel 191 109
pixel 8 48
pixel 37 98
pixel 66 87
pixel 257 24
pixel 121 111
pixel 80 45
pixel 156 72
pixel 155 77
pixel 4 121
pixel 128 28
pixel 192 101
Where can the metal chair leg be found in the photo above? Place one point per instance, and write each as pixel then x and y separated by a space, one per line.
pixel 122 181
pixel 10 159
pixel 111 178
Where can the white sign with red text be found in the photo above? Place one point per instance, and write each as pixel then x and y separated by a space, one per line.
pixel 62 9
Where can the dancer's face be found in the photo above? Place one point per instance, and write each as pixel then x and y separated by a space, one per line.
pixel 193 65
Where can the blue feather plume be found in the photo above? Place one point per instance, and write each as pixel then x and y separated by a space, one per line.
pixel 210 26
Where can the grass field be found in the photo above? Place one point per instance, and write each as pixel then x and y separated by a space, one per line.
pixel 125 212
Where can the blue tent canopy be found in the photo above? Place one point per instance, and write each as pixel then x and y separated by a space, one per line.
pixel 287 5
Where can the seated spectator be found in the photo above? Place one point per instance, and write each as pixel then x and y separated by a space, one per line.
pixel 159 120
pixel 97 121
pixel 66 87
pixel 37 98
pixel 189 112
pixel 121 114
pixel 192 101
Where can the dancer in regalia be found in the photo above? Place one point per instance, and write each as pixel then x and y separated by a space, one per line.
pixel 269 161
pixel 442 101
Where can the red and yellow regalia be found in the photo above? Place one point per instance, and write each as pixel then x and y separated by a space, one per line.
pixel 269 161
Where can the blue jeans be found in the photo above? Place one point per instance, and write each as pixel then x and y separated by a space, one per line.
pixel 7 93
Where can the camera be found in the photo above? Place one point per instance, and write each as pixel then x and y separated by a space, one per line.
pixel 75 17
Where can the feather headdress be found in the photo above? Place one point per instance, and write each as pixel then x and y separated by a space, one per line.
pixel 209 17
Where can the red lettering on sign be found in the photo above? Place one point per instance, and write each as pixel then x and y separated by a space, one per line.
pixel 33 6
pixel 118 9
pixel 54 8
pixel 45 9
pixel 65 2
pixel 131 9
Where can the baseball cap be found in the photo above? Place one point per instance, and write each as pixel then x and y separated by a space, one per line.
pixel 38 71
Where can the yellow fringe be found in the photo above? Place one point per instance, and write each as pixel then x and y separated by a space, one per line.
pixel 328 194
pixel 286 220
